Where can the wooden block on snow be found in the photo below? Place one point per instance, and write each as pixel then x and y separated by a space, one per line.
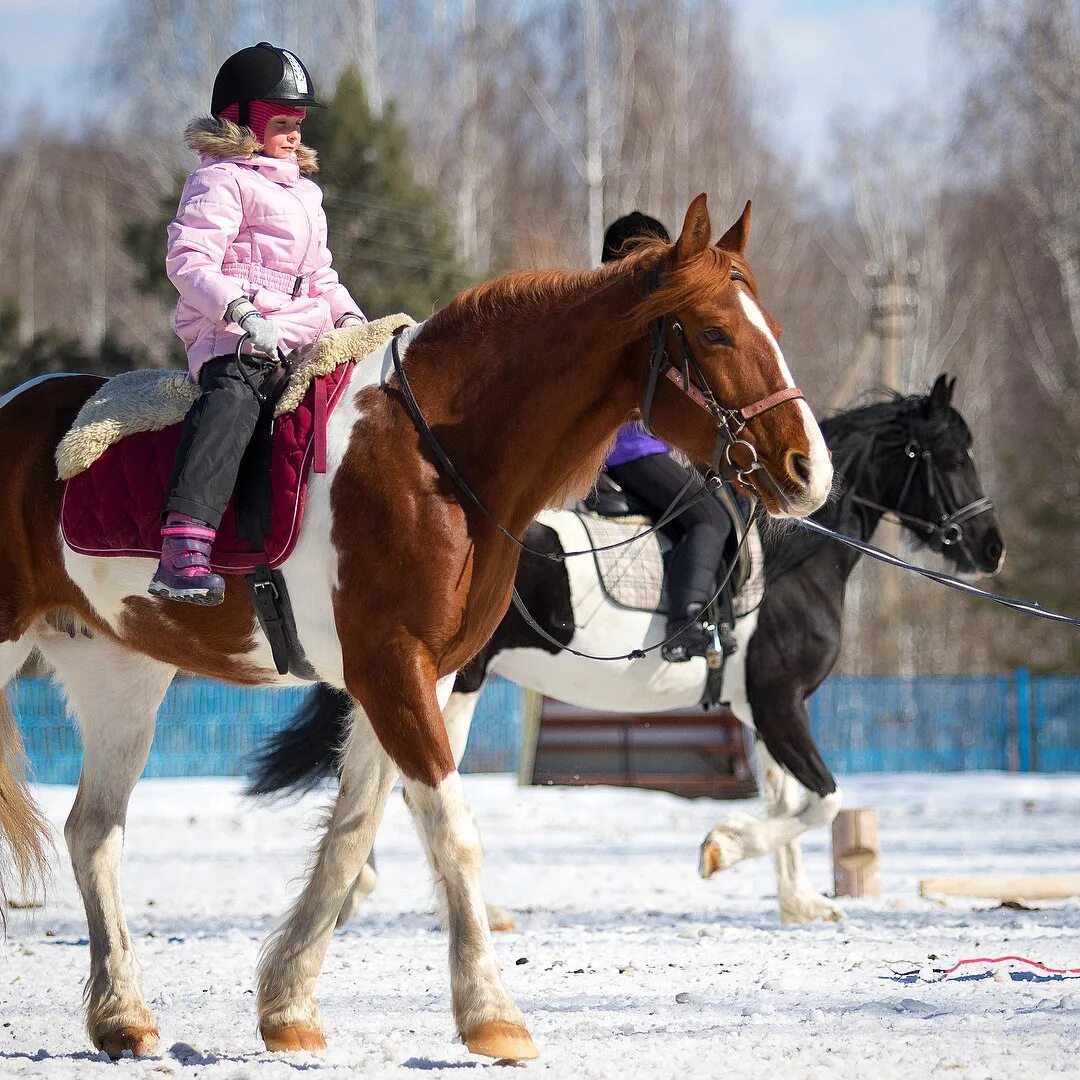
pixel 856 868
pixel 994 887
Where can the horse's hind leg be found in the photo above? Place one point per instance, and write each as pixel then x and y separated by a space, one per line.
pixel 114 694
pixel 290 964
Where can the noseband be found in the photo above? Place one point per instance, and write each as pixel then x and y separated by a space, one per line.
pixel 730 423
pixel 949 528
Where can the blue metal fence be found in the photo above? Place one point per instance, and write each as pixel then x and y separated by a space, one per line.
pixel 926 723
pixel 923 723
pixel 207 728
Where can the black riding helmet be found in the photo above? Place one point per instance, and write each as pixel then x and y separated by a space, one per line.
pixel 263 72
pixel 630 227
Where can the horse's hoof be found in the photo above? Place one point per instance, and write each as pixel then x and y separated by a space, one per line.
pixel 292 1037
pixel 502 1040
pixel 499 919
pixel 709 859
pixel 130 1039
pixel 719 851
pixel 800 910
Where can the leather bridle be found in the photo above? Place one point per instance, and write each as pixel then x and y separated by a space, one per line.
pixel 948 530
pixel 688 377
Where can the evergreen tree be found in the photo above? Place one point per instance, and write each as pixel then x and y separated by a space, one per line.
pixel 392 247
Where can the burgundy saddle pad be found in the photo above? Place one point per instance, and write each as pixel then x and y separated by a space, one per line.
pixel 113 508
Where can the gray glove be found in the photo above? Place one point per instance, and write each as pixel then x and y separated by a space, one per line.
pixel 262 333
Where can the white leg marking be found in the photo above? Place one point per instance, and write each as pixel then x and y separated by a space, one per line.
pixel 293 956
pixel 452 841
pixel 115 694
pixel 457 713
pixel 792 810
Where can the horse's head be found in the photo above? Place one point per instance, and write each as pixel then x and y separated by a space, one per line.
pixel 941 487
pixel 720 348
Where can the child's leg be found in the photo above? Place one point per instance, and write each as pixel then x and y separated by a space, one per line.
pixel 216 432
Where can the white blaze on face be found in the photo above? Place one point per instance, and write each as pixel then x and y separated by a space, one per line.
pixel 820 464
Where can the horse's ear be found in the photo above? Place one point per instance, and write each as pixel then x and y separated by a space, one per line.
pixel 941 394
pixel 952 387
pixel 696 231
pixel 735 238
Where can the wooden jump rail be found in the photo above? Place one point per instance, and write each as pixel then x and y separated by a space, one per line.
pixel 691 754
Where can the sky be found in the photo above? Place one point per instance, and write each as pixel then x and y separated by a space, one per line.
pixel 824 56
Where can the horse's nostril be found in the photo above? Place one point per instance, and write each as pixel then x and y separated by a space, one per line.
pixel 799 464
pixel 992 549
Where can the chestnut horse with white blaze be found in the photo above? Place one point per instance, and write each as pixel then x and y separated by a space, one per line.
pixel 397 577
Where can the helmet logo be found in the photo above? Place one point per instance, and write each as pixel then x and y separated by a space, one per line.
pixel 299 75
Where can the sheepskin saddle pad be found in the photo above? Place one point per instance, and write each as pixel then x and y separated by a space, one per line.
pixel 117 458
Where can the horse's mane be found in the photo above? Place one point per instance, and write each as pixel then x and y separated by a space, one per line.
pixel 888 418
pixel 532 292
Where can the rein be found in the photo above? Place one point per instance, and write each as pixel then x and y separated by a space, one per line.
pixel 730 424
pixel 673 510
pixel 726 439
pixel 948 529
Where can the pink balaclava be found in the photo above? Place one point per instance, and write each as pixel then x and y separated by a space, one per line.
pixel 260 113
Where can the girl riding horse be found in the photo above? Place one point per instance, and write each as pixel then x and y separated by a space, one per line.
pixel 248 242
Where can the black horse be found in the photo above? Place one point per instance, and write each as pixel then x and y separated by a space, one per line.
pixel 905 457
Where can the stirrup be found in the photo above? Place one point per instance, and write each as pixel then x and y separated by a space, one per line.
pixel 691 641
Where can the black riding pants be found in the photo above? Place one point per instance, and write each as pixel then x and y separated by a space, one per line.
pixel 656 480
pixel 216 432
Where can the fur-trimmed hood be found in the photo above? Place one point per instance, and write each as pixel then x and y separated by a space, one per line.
pixel 213 138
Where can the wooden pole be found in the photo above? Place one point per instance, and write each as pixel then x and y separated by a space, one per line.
pixel 991 887
pixel 856 871
pixel 891 331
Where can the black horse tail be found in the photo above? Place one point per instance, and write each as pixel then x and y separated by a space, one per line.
pixel 307 750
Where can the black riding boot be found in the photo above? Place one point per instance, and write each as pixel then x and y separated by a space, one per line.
pixel 692 583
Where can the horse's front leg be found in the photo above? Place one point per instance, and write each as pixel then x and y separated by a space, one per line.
pixel 458 714
pixel 791 810
pixel 115 695
pixel 410 724
pixel 457 718
pixel 291 961
pixel 786 798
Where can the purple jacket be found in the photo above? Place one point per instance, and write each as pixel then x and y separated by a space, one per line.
pixel 250 226
pixel 634 442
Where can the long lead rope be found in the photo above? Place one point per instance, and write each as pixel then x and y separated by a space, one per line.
pixel 1029 607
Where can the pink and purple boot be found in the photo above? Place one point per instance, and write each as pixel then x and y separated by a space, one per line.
pixel 184 571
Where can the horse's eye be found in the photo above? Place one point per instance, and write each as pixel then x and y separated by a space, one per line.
pixel 715 336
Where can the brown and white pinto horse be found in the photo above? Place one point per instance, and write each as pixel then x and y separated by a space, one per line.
pixel 397 581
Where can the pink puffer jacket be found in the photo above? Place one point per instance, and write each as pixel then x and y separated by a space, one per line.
pixel 250 226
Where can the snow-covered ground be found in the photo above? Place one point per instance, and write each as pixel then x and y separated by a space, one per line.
pixel 626 963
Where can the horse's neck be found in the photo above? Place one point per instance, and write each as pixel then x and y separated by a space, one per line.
pixel 537 398
pixel 855 519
